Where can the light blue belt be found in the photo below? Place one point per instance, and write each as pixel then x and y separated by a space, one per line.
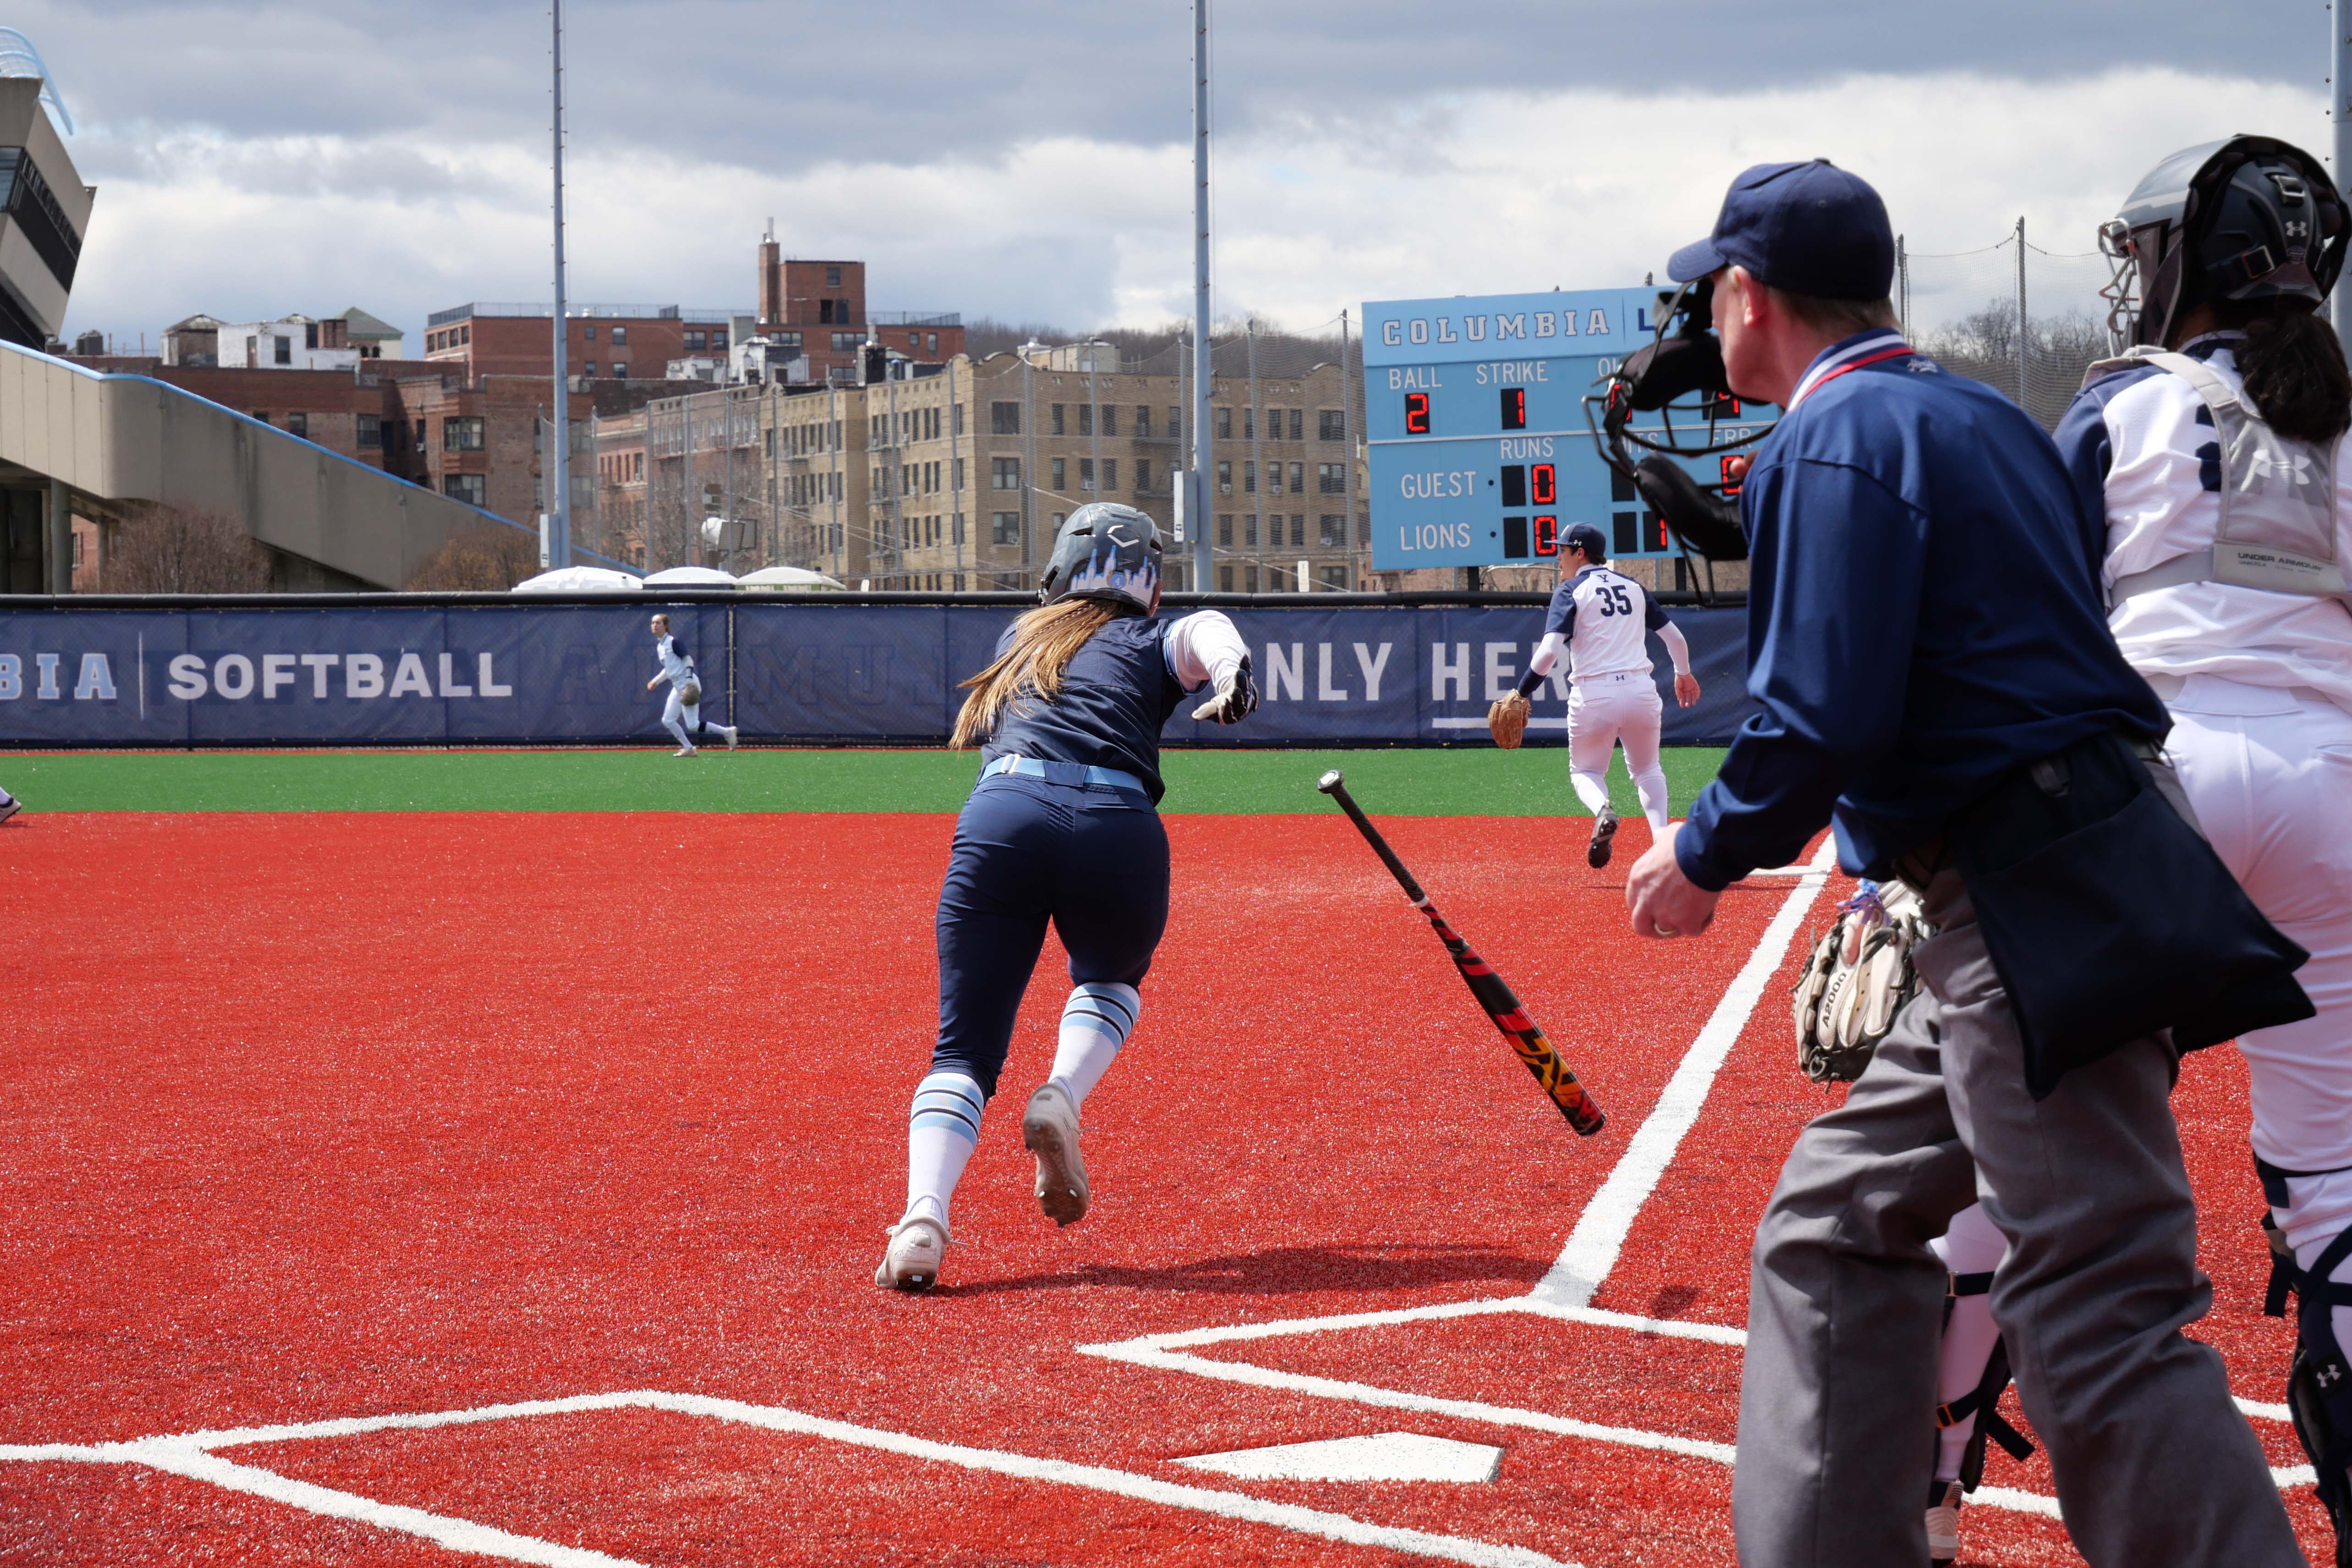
pixel 1078 773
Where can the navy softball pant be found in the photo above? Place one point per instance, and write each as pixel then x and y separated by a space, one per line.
pixel 1092 860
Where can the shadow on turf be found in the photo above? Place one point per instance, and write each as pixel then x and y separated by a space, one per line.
pixel 1283 1271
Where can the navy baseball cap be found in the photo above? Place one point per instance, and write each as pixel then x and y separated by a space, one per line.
pixel 1809 228
pixel 1586 537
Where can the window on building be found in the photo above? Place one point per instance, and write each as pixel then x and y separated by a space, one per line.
pixel 588 330
pixel 589 370
pixel 1225 530
pixel 1004 419
pixel 959 422
pixel 1249 534
pixel 1175 422
pixel 1297 424
pixel 1142 474
pixel 1224 425
pixel 1086 419
pixel 1224 580
pixel 461 433
pixel 833 278
pixel 310 334
pixel 1007 527
pixel 1299 528
pixel 1110 473
pixel 298 424
pixel 1273 478
pixel 1331 425
pixel 931 342
pixel 1062 475
pixel 1110 419
pixel 958 486
pixel 1331 479
pixel 1335 578
pixel 1249 478
pixel 1249 423
pixel 1059 420
pixel 1004 472
pixel 696 340
pixel 1143 421
pixel 371 432
pixel 262 415
pixel 466 333
pixel 1249 580
pixel 788 341
pixel 1331 530
pixel 620 336
pixel 845 343
pixel 284 354
pixel 419 435
pixel 466 487
pixel 1299 478
pixel 1225 478
pixel 914 342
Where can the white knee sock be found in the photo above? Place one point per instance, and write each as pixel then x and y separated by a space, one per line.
pixel 1096 1022
pixel 942 1129
pixel 1651 787
pixel 1973 1245
pixel 1592 789
pixel 677 729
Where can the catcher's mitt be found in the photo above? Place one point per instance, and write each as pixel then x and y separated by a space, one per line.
pixel 1857 979
pixel 689 693
pixel 1507 721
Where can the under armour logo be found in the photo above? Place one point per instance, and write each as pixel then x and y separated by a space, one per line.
pixel 2293 467
pixel 2333 1371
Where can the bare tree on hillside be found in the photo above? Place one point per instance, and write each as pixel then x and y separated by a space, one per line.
pixel 160 547
pixel 490 558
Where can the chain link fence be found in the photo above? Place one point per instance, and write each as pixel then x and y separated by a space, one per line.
pixel 2014 316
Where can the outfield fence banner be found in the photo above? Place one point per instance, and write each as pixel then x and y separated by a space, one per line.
pixel 479 670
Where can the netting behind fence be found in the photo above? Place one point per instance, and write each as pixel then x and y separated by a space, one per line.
pixel 1976 311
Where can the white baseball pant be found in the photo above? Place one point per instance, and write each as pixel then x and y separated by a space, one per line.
pixel 1602 712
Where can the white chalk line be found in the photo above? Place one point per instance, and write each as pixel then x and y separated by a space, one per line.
pixel 191 1455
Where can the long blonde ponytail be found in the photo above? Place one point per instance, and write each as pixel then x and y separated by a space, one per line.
pixel 1044 642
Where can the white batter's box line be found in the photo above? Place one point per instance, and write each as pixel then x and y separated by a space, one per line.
pixel 191 1455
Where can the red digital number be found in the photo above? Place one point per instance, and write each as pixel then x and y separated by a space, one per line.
pixel 1735 472
pixel 1416 414
pixel 1543 485
pixel 1547 536
pixel 1515 408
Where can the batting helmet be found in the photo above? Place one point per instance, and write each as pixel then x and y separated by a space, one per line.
pixel 1108 552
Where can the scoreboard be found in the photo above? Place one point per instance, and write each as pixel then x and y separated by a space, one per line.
pixel 1474 409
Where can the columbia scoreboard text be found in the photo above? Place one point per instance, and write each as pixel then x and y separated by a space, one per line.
pixel 1480 455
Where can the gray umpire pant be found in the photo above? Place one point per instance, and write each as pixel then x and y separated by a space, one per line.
pixel 2153 1463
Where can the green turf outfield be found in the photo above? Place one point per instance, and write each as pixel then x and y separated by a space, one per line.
pixel 1405 782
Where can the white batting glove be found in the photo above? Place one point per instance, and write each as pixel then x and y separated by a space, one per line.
pixel 1235 699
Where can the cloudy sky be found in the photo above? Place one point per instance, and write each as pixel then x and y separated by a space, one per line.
pixel 1030 159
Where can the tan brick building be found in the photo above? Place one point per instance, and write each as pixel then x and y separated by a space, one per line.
pixel 956 476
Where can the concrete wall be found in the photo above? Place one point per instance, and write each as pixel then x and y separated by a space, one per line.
pixel 117 439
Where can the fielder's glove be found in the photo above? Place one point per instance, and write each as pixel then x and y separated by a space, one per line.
pixel 1507 721
pixel 689 693
pixel 1235 698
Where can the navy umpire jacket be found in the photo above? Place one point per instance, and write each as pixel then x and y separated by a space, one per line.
pixel 1923 616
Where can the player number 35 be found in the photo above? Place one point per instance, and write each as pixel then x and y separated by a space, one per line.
pixel 1613 599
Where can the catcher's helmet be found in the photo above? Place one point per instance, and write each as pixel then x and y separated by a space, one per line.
pixel 1108 552
pixel 2247 219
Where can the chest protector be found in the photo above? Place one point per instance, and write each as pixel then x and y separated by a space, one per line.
pixel 2278 498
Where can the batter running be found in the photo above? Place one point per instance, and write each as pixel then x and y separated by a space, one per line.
pixel 1063 826
pixel 1599 619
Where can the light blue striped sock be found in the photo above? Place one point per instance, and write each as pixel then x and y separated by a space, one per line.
pixel 943 1129
pixel 1096 1022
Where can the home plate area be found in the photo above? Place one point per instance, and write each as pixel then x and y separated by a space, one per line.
pixel 358 1270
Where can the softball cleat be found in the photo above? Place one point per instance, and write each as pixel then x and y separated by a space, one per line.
pixel 1944 1524
pixel 732 731
pixel 10 810
pixel 917 1245
pixel 1049 1127
pixel 1604 829
pixel 685 751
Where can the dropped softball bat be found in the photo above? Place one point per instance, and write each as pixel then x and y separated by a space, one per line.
pixel 1493 995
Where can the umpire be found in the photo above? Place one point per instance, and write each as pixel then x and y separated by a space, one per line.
pixel 1933 673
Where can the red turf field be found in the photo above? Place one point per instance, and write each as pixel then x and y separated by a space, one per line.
pixel 312 1117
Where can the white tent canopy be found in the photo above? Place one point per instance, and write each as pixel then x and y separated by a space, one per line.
pixel 790 577
pixel 579 580
pixel 689 577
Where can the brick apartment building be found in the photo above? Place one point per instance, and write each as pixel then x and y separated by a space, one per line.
pixel 955 477
pixel 818 308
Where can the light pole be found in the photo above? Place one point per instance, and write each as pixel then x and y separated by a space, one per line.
pixel 559 501
pixel 1197 513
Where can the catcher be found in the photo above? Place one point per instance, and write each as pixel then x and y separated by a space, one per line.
pixel 1599 618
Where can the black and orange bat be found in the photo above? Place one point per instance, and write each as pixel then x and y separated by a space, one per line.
pixel 1493 995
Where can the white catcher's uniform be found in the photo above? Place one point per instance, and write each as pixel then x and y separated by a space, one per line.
pixel 1600 620
pixel 2260 685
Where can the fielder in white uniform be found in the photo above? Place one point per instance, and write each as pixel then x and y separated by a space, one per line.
pixel 680 718
pixel 1600 620
pixel 2227 542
